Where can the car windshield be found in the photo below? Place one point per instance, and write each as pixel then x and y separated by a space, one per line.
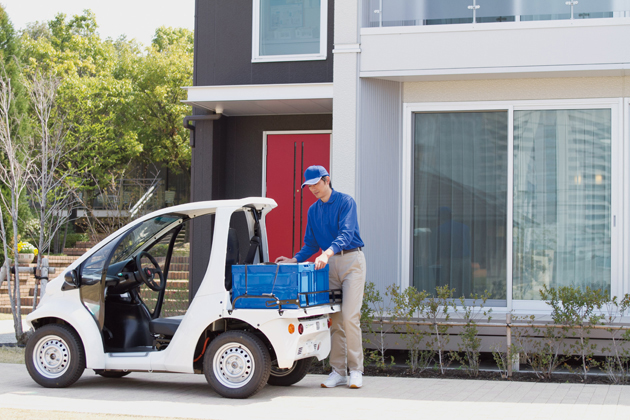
pixel 148 231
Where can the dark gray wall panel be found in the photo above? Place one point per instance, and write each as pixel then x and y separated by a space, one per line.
pixel 201 189
pixel 204 31
pixel 223 49
pixel 233 42
pixel 379 150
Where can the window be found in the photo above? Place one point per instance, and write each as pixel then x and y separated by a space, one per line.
pixel 562 200
pixel 510 197
pixel 460 202
pixel 289 30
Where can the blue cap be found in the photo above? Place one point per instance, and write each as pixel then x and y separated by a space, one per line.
pixel 313 174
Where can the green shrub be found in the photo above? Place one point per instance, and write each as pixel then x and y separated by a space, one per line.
pixel 73 238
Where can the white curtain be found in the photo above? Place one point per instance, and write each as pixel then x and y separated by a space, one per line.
pixel 460 202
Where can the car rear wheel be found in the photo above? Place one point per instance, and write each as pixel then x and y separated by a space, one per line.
pixel 55 357
pixel 290 376
pixel 237 364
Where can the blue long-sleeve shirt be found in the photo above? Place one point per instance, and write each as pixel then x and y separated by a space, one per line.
pixel 332 224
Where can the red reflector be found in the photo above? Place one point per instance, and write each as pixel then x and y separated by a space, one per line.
pixel 301 328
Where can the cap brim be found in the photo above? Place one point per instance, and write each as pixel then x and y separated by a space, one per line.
pixel 311 181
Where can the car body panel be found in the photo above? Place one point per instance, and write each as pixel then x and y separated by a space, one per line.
pixel 210 305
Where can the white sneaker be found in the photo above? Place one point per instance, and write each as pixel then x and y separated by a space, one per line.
pixel 356 379
pixel 334 379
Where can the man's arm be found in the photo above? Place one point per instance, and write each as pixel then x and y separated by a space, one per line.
pixel 347 226
pixel 310 244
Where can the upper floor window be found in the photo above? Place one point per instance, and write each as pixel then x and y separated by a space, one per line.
pixel 289 30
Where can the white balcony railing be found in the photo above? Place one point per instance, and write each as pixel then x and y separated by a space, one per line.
pixel 379 13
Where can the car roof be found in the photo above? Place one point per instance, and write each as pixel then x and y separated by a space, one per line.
pixel 199 208
pixel 194 209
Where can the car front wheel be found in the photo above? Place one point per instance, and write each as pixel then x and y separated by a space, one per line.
pixel 237 364
pixel 55 357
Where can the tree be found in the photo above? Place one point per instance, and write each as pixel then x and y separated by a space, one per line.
pixel 14 174
pixel 51 190
pixel 94 102
pixel 158 79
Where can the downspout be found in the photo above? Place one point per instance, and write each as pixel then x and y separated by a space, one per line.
pixel 191 127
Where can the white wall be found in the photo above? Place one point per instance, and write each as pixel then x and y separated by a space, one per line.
pixel 345 96
pixel 496 48
pixel 516 89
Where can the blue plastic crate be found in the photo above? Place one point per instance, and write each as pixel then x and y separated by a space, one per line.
pixel 291 280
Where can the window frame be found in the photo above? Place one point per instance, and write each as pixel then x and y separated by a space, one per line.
pixel 323 38
pixel 619 196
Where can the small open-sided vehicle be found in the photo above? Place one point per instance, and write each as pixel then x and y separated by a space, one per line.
pixel 105 312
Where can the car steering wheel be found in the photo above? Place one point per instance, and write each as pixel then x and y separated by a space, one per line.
pixel 147 274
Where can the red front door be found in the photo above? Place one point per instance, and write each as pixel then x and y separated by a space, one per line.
pixel 288 155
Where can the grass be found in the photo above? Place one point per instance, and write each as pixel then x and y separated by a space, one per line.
pixel 13 355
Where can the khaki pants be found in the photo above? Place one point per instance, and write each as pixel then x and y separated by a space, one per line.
pixel 347 272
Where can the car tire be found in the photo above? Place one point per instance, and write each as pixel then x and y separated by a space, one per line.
pixel 237 364
pixel 290 376
pixel 111 373
pixel 55 357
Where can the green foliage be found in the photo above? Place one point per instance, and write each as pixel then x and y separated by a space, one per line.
pixel 504 356
pixel 542 348
pixel 120 104
pixel 578 311
pixel 158 80
pixel 469 348
pixel 437 312
pixel 409 305
pixel 73 238
pixel 373 310
pixel 617 362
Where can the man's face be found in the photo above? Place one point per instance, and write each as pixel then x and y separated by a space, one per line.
pixel 320 189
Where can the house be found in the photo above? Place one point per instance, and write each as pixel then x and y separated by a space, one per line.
pixel 484 141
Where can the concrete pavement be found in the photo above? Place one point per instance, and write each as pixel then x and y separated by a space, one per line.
pixel 7 332
pixel 158 395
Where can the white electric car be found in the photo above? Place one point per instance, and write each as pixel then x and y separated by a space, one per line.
pixel 100 315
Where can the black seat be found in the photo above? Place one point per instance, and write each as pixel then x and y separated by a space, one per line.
pixel 232 257
pixel 165 326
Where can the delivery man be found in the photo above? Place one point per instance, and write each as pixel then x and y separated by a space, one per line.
pixel 332 227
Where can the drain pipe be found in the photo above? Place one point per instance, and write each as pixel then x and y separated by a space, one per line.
pixel 191 127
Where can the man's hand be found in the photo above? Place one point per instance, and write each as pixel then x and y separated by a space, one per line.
pixel 285 260
pixel 322 260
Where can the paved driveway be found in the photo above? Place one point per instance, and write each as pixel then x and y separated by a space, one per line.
pixel 178 395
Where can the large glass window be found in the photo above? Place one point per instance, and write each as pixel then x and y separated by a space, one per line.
pixel 562 200
pixel 460 202
pixel 286 30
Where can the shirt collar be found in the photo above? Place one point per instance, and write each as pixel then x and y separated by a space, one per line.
pixel 332 198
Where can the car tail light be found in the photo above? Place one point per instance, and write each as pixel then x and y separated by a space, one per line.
pixel 329 322
pixel 291 328
pixel 301 329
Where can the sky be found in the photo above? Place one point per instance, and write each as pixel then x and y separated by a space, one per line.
pixel 135 18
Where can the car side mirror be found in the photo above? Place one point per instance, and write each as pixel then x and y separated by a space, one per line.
pixel 71 281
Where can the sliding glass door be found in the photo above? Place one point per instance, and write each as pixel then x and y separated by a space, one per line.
pixel 509 201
